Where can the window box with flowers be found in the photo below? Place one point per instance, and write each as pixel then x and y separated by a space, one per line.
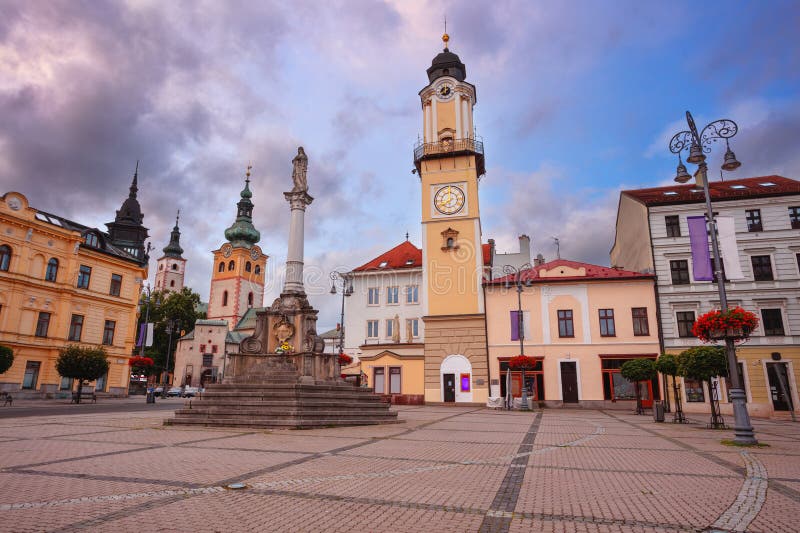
pixel 344 359
pixel 142 365
pixel 735 323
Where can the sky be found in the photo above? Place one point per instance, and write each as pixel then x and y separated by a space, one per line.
pixel 576 101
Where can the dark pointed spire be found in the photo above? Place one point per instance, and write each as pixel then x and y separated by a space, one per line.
pixel 173 249
pixel 134 184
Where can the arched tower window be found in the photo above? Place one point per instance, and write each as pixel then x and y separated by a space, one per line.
pixel 174 266
pixel 258 270
pixel 221 267
pixel 224 298
pixel 172 283
pixel 250 299
pixel 248 267
pixel 52 270
pixel 231 264
pixel 5 257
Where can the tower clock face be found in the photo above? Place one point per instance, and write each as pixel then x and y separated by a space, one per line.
pixel 255 253
pixel 444 91
pixel 227 249
pixel 449 200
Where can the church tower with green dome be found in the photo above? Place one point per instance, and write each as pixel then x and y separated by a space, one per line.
pixel 171 267
pixel 237 279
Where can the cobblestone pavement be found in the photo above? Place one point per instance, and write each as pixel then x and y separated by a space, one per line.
pixel 443 469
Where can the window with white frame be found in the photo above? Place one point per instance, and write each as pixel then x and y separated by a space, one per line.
pixel 372 329
pixel 392 295
pixel 373 296
pixel 389 327
pixel 413 325
pixel 412 294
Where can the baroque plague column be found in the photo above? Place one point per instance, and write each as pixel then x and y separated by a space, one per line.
pixel 281 377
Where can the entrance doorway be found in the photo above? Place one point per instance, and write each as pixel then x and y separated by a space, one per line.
pixel 569 382
pixel 779 386
pixel 31 375
pixel 449 385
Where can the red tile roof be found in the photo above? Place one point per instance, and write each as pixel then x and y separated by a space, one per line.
pixel 592 272
pixel 404 255
pixel 720 190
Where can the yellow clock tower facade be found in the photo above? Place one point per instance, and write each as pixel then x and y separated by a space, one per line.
pixel 450 162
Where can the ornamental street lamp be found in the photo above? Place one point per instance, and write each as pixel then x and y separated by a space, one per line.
pixel 144 302
pixel 345 281
pixel 509 271
pixel 699 144
pixel 173 325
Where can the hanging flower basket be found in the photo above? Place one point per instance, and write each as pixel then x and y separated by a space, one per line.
pixel 140 361
pixel 735 323
pixel 522 362
pixel 345 359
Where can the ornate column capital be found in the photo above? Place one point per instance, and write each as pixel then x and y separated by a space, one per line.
pixel 298 199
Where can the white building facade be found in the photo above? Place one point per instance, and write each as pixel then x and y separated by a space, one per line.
pixel 652 236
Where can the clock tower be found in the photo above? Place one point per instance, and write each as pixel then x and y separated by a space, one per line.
pixel 237 278
pixel 450 162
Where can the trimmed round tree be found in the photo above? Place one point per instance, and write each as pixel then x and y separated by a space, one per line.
pixel 81 363
pixel 637 370
pixel 667 364
pixel 6 358
pixel 704 363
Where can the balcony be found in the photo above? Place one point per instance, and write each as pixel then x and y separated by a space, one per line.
pixel 449 148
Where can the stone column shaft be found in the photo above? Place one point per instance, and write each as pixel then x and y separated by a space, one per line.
pixel 294 257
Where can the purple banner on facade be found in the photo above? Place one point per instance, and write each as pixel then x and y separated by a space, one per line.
pixel 142 333
pixel 701 258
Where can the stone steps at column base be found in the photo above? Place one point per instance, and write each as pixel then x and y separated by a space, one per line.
pixel 286 403
pixel 295 423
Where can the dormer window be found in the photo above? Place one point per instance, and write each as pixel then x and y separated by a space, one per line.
pixel 383 264
pixel 91 240
pixel 409 262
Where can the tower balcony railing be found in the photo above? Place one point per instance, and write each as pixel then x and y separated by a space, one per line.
pixel 449 148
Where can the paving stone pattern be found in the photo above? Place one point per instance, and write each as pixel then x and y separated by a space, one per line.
pixel 443 469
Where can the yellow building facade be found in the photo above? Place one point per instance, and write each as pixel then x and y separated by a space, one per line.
pixel 64 283
pixel 581 322
pixel 449 161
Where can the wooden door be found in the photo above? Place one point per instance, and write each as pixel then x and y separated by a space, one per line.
pixel 449 384
pixel 569 382
pixel 779 387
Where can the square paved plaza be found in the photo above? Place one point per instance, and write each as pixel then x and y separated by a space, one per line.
pixel 441 469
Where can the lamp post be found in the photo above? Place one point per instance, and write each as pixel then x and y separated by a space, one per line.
pixel 144 301
pixel 509 270
pixel 173 325
pixel 699 144
pixel 345 280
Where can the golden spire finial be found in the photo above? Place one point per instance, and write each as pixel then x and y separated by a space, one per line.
pixel 249 168
pixel 445 37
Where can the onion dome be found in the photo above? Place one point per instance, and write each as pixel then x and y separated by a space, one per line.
pixel 242 233
pixel 173 249
pixel 446 63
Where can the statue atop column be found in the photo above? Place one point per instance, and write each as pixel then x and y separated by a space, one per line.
pixel 299 169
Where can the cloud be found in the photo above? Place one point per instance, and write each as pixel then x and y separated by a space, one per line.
pixel 583 220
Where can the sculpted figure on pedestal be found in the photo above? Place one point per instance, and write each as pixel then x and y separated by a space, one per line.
pixel 300 167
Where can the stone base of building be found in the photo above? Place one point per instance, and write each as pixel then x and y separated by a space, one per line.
pixel 455 345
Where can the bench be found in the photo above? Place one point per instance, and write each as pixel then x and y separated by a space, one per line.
pixel 85 394
pixel 7 399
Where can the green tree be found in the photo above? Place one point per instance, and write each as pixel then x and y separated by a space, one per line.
pixel 165 306
pixel 704 363
pixel 82 363
pixel 6 358
pixel 667 364
pixel 637 370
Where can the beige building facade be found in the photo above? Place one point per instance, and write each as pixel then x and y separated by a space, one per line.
pixel 64 283
pixel 581 322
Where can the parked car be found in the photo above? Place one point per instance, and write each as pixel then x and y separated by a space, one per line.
pixel 190 392
pixel 174 392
